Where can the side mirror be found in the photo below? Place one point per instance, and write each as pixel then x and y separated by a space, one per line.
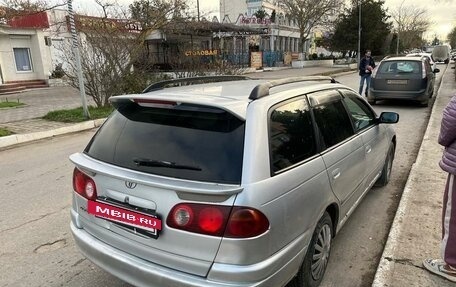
pixel 388 118
pixel 436 71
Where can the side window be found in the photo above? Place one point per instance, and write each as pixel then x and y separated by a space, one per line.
pixel 333 122
pixel 291 134
pixel 361 115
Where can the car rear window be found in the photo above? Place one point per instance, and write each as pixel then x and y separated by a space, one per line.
pixel 184 141
pixel 400 67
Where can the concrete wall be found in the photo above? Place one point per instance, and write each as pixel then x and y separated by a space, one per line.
pixel 312 63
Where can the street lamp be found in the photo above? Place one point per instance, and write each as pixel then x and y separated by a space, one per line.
pixel 74 35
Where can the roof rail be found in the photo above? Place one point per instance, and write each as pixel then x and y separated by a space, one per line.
pixel 192 81
pixel 262 90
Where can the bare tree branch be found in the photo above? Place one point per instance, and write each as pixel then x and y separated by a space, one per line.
pixel 411 23
pixel 309 14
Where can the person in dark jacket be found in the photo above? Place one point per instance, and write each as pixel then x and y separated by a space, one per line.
pixel 447 138
pixel 366 66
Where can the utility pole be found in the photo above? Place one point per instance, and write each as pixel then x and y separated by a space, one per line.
pixel 359 32
pixel 74 35
pixel 198 8
pixel 397 41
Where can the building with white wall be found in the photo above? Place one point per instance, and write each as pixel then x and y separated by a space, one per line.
pixel 283 34
pixel 24 50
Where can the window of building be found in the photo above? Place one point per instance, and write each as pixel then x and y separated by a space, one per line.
pixel 22 59
pixel 291 134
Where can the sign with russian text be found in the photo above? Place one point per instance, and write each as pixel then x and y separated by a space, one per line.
pixel 254 20
pixel 201 53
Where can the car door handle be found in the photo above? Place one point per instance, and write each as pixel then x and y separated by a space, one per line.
pixel 336 173
pixel 368 149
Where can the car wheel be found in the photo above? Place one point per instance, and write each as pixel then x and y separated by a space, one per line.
pixel 314 266
pixel 387 167
pixel 446 61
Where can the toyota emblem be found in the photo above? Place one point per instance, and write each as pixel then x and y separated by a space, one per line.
pixel 130 184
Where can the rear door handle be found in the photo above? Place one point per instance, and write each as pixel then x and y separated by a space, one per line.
pixel 368 149
pixel 336 173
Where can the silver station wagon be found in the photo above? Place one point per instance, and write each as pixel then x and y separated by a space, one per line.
pixel 227 181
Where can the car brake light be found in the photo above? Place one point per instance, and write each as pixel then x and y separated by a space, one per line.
pixel 84 185
pixel 423 70
pixel 216 220
pixel 155 103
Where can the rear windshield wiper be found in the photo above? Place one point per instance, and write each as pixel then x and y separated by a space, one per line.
pixel 162 163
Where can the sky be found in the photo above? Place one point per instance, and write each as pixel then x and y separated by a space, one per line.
pixel 442 13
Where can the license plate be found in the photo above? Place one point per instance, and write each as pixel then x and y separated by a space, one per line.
pixel 397 82
pixel 127 217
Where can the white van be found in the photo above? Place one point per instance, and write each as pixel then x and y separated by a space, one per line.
pixel 441 53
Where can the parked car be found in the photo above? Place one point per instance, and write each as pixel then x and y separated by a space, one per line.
pixel 453 54
pixel 403 78
pixel 227 181
pixel 441 53
pixel 428 56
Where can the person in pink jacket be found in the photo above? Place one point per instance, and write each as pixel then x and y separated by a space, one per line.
pixel 447 138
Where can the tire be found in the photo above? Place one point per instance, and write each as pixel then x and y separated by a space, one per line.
pixel 387 168
pixel 424 103
pixel 321 239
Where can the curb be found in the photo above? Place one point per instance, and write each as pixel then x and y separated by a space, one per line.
pixel 382 275
pixel 11 140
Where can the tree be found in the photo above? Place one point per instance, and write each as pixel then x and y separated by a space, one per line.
pixel 273 16
pixel 260 14
pixel 310 14
pixel 154 14
pixel 111 47
pixel 452 38
pixel 13 8
pixel 375 27
pixel 411 23
pixel 436 41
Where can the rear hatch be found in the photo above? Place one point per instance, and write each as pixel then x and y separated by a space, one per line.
pixel 400 76
pixel 151 155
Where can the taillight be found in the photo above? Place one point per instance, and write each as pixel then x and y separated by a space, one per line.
pixel 216 220
pixel 84 185
pixel 423 70
pixel 246 222
pixel 199 218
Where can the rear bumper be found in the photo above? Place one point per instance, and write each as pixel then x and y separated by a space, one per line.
pixel 419 95
pixel 140 272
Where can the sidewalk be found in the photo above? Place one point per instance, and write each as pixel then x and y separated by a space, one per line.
pixel 416 230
